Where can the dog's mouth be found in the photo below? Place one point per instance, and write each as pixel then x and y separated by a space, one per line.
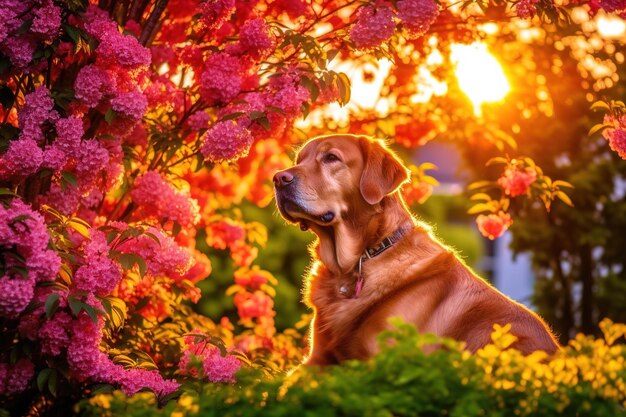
pixel 295 212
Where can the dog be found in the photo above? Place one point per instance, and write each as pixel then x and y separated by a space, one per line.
pixel 373 260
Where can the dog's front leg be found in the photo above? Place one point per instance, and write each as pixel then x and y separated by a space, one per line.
pixel 320 353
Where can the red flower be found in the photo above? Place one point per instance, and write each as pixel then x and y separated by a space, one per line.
pixel 515 182
pixel 254 305
pixel 492 225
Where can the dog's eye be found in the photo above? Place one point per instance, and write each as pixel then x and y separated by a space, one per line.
pixel 330 157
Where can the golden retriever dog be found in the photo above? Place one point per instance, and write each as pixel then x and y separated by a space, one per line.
pixel 374 260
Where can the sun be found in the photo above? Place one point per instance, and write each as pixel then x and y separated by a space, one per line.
pixel 479 74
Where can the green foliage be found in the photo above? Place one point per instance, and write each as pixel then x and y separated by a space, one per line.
pixel 585 378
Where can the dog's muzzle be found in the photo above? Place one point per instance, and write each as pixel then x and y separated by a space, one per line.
pixel 290 204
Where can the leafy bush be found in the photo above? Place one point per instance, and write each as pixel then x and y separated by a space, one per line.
pixel 586 378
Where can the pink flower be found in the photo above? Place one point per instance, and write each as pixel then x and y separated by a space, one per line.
pixel 47 20
pixel 23 233
pixel 226 141
pixel 221 80
pixel 417 15
pixel 617 141
pixel 163 258
pixel 132 104
pixel 99 274
pixel 617 135
pixel 98 23
pixel 288 94
pixel 37 109
pixel 253 305
pixel 256 39
pixel 15 378
pixel 613 5
pixel 526 9
pixel 125 50
pixel 253 278
pixel 199 120
pixel 493 226
pixel 19 49
pixel 157 198
pixel 23 158
pixel 92 83
pixel 516 182
pixel 374 25
pixel 214 366
pixel 86 361
pixel 215 12
pixel 70 131
pixel 54 335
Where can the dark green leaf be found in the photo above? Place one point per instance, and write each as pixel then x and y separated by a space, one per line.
pixel 51 304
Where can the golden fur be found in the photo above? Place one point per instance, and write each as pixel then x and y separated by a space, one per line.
pixel 344 188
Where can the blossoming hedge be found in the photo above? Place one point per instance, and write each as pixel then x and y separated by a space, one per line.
pixel 130 128
pixel 588 377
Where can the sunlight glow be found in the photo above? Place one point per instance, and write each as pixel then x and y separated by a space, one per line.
pixel 480 75
pixel 611 27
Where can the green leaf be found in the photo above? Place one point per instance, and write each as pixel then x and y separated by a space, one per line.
pixel 343 85
pixel 479 208
pixel 43 377
pixel 232 116
pixel 496 160
pixel 51 304
pixel 597 128
pixel 480 184
pixel 109 116
pixel 481 196
pixel 564 198
pixel 600 105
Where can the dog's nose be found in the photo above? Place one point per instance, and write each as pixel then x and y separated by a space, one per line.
pixel 283 178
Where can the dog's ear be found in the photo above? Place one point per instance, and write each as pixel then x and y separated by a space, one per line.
pixel 382 173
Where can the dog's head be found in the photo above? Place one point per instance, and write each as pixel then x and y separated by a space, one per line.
pixel 336 185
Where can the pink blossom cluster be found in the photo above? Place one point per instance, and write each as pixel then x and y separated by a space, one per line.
pixel 613 6
pixel 226 141
pixel 99 274
pixel 131 104
pixel 256 39
pixel 417 15
pixel 19 44
pixel 157 198
pixel 26 259
pixel 87 361
pixel 516 181
pixel 47 19
pixel 163 256
pixel 526 9
pixel 92 84
pixel 15 378
pixel 493 225
pixel 374 25
pixel 616 135
pixel 25 155
pixel 221 80
pixel 214 13
pixel 115 48
pixel 213 366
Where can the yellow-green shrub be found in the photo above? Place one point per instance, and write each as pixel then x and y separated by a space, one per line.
pixel 586 378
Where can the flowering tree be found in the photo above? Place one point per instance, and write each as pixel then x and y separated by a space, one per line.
pixel 131 127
